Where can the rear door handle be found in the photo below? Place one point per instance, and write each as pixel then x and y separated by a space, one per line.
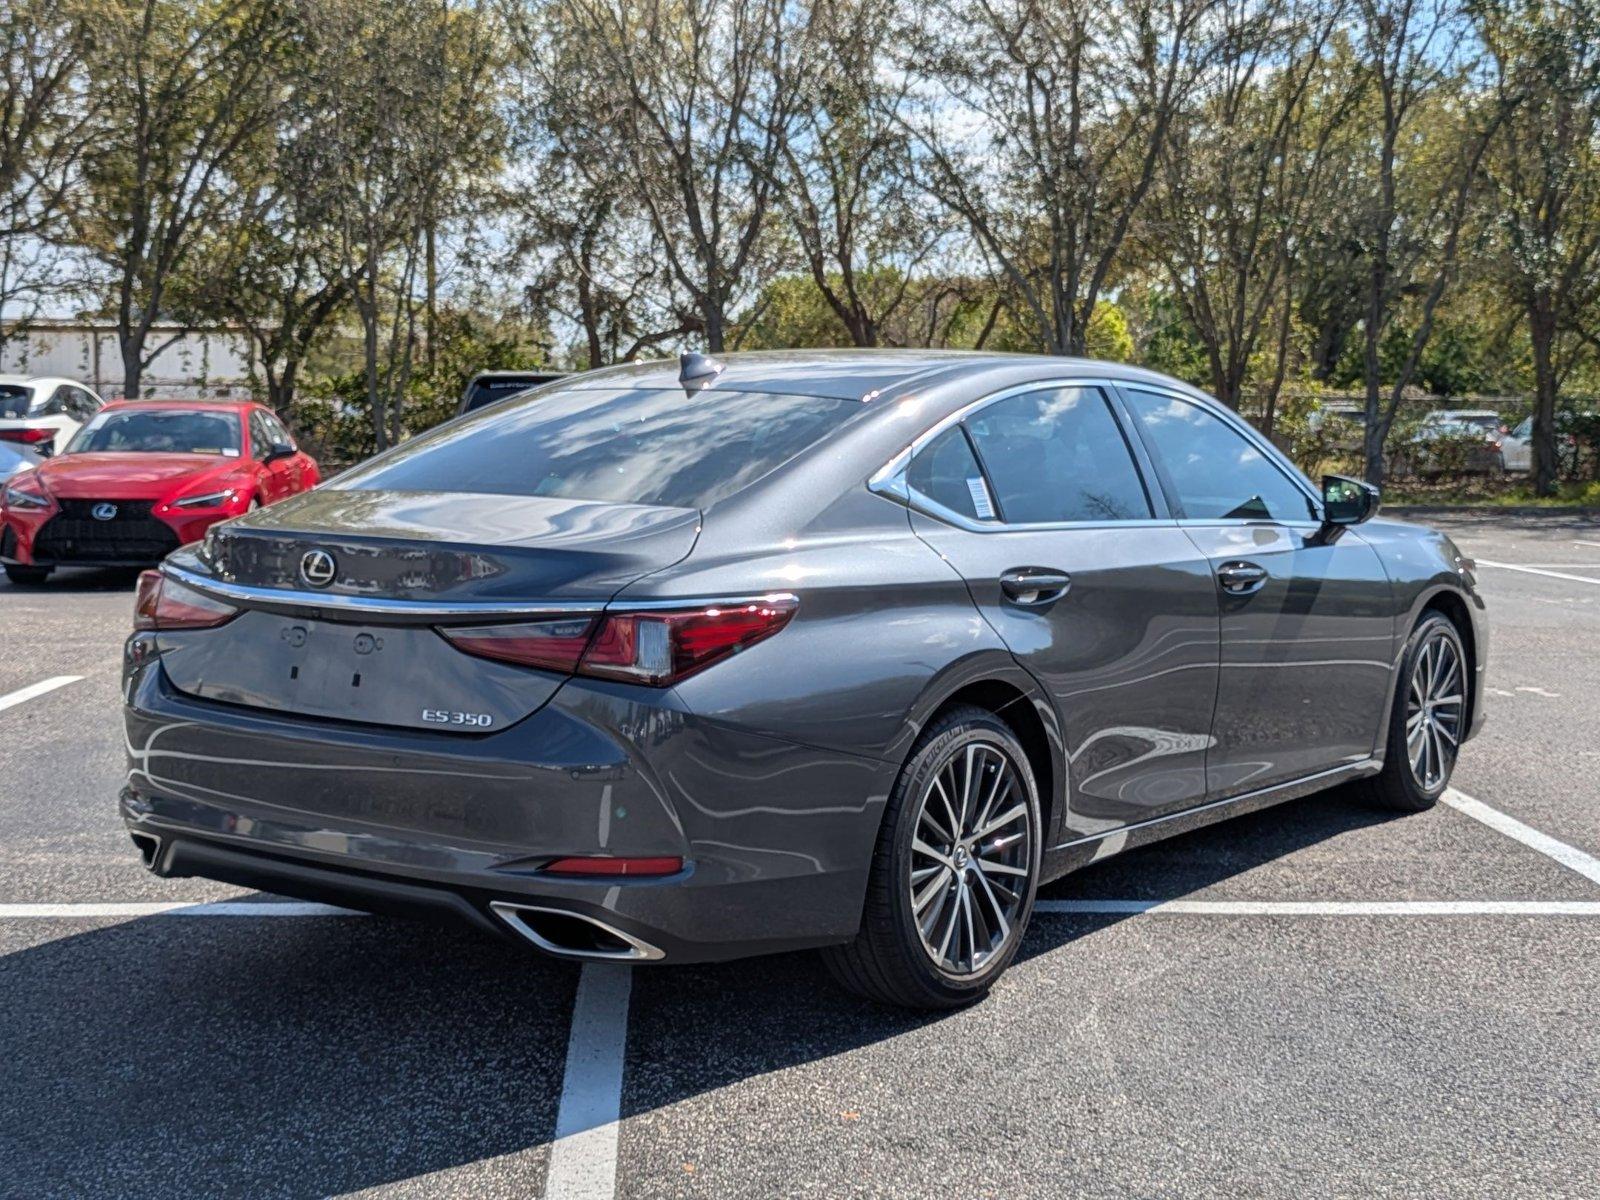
pixel 1241 578
pixel 1034 585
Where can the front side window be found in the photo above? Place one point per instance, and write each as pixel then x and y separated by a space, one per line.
pixel 626 446
pixel 159 431
pixel 1058 455
pixel 1214 471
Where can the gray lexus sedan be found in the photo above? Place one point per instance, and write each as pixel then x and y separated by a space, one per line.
pixel 684 661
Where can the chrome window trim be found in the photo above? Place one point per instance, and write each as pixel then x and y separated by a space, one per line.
pixel 890 482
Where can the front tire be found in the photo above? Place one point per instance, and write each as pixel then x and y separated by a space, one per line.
pixel 1428 720
pixel 954 871
pixel 27 576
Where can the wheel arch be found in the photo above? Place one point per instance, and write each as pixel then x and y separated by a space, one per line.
pixel 998 685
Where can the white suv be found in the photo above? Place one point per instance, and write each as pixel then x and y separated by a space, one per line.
pixel 43 413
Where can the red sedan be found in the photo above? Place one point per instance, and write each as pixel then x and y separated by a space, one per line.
pixel 144 477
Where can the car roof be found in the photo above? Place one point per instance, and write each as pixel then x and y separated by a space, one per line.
pixel 853 374
pixel 40 381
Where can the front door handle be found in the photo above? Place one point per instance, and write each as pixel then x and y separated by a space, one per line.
pixel 1241 578
pixel 1034 585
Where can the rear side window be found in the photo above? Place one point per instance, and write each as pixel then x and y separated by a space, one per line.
pixel 946 473
pixel 635 446
pixel 1213 469
pixel 1058 455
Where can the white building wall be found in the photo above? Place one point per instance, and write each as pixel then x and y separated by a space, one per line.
pixel 190 365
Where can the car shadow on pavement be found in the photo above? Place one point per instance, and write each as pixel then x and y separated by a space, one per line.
pixel 310 1057
pixel 76 581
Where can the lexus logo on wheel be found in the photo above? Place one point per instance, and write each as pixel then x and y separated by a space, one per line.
pixel 318 568
pixel 104 512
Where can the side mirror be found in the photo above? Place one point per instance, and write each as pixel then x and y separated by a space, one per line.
pixel 1347 501
pixel 279 450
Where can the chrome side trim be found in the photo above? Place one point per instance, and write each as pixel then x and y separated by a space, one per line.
pixel 363 607
pixel 358 608
pixel 637 951
pixel 1262 798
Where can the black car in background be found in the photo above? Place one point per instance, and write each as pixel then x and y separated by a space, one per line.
pixel 837 649
pixel 490 387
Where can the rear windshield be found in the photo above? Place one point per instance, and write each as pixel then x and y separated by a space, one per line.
pixel 629 447
pixel 160 431
pixel 14 400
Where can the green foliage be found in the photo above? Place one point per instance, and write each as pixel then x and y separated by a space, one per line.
pixel 332 414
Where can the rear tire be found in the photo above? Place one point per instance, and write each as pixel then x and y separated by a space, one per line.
pixel 946 909
pixel 1428 719
pixel 27 576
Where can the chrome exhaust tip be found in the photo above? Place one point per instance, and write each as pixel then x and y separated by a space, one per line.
pixel 149 848
pixel 568 934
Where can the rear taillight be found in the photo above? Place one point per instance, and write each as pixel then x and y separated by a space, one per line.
pixel 163 603
pixel 555 644
pixel 653 647
pixel 30 436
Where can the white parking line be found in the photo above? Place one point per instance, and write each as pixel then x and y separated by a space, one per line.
pixel 583 1158
pixel 1328 908
pixel 1484 562
pixel 1583 863
pixel 36 689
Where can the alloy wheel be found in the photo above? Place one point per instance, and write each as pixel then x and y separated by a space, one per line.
pixel 971 857
pixel 1434 707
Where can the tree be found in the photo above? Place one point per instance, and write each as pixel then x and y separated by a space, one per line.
pixel 1041 127
pixel 406 110
pixel 1418 58
pixel 1545 169
pixel 583 237
pixel 185 89
pixel 1240 169
pixel 45 113
pixel 861 230
pixel 698 97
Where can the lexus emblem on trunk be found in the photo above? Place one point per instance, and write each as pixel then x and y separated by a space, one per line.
pixel 104 512
pixel 318 568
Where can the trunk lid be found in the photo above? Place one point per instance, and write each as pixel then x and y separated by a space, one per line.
pixel 364 646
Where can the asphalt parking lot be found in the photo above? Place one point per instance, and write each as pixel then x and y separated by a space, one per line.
pixel 1314 1000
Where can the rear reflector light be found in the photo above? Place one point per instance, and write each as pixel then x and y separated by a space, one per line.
pixel 652 647
pixel 615 866
pixel 163 603
pixel 31 436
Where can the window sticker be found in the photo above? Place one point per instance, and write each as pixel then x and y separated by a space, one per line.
pixel 980 498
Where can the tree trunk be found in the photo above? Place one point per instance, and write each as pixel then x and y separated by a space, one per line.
pixel 132 367
pixel 1541 337
pixel 711 314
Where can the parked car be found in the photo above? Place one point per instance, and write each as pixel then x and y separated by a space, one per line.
pixel 1517 444
pixel 144 477
pixel 683 662
pixel 1344 422
pixel 1454 440
pixel 16 458
pixel 490 387
pixel 43 413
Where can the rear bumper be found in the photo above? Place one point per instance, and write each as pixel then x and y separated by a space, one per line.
pixel 776 837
